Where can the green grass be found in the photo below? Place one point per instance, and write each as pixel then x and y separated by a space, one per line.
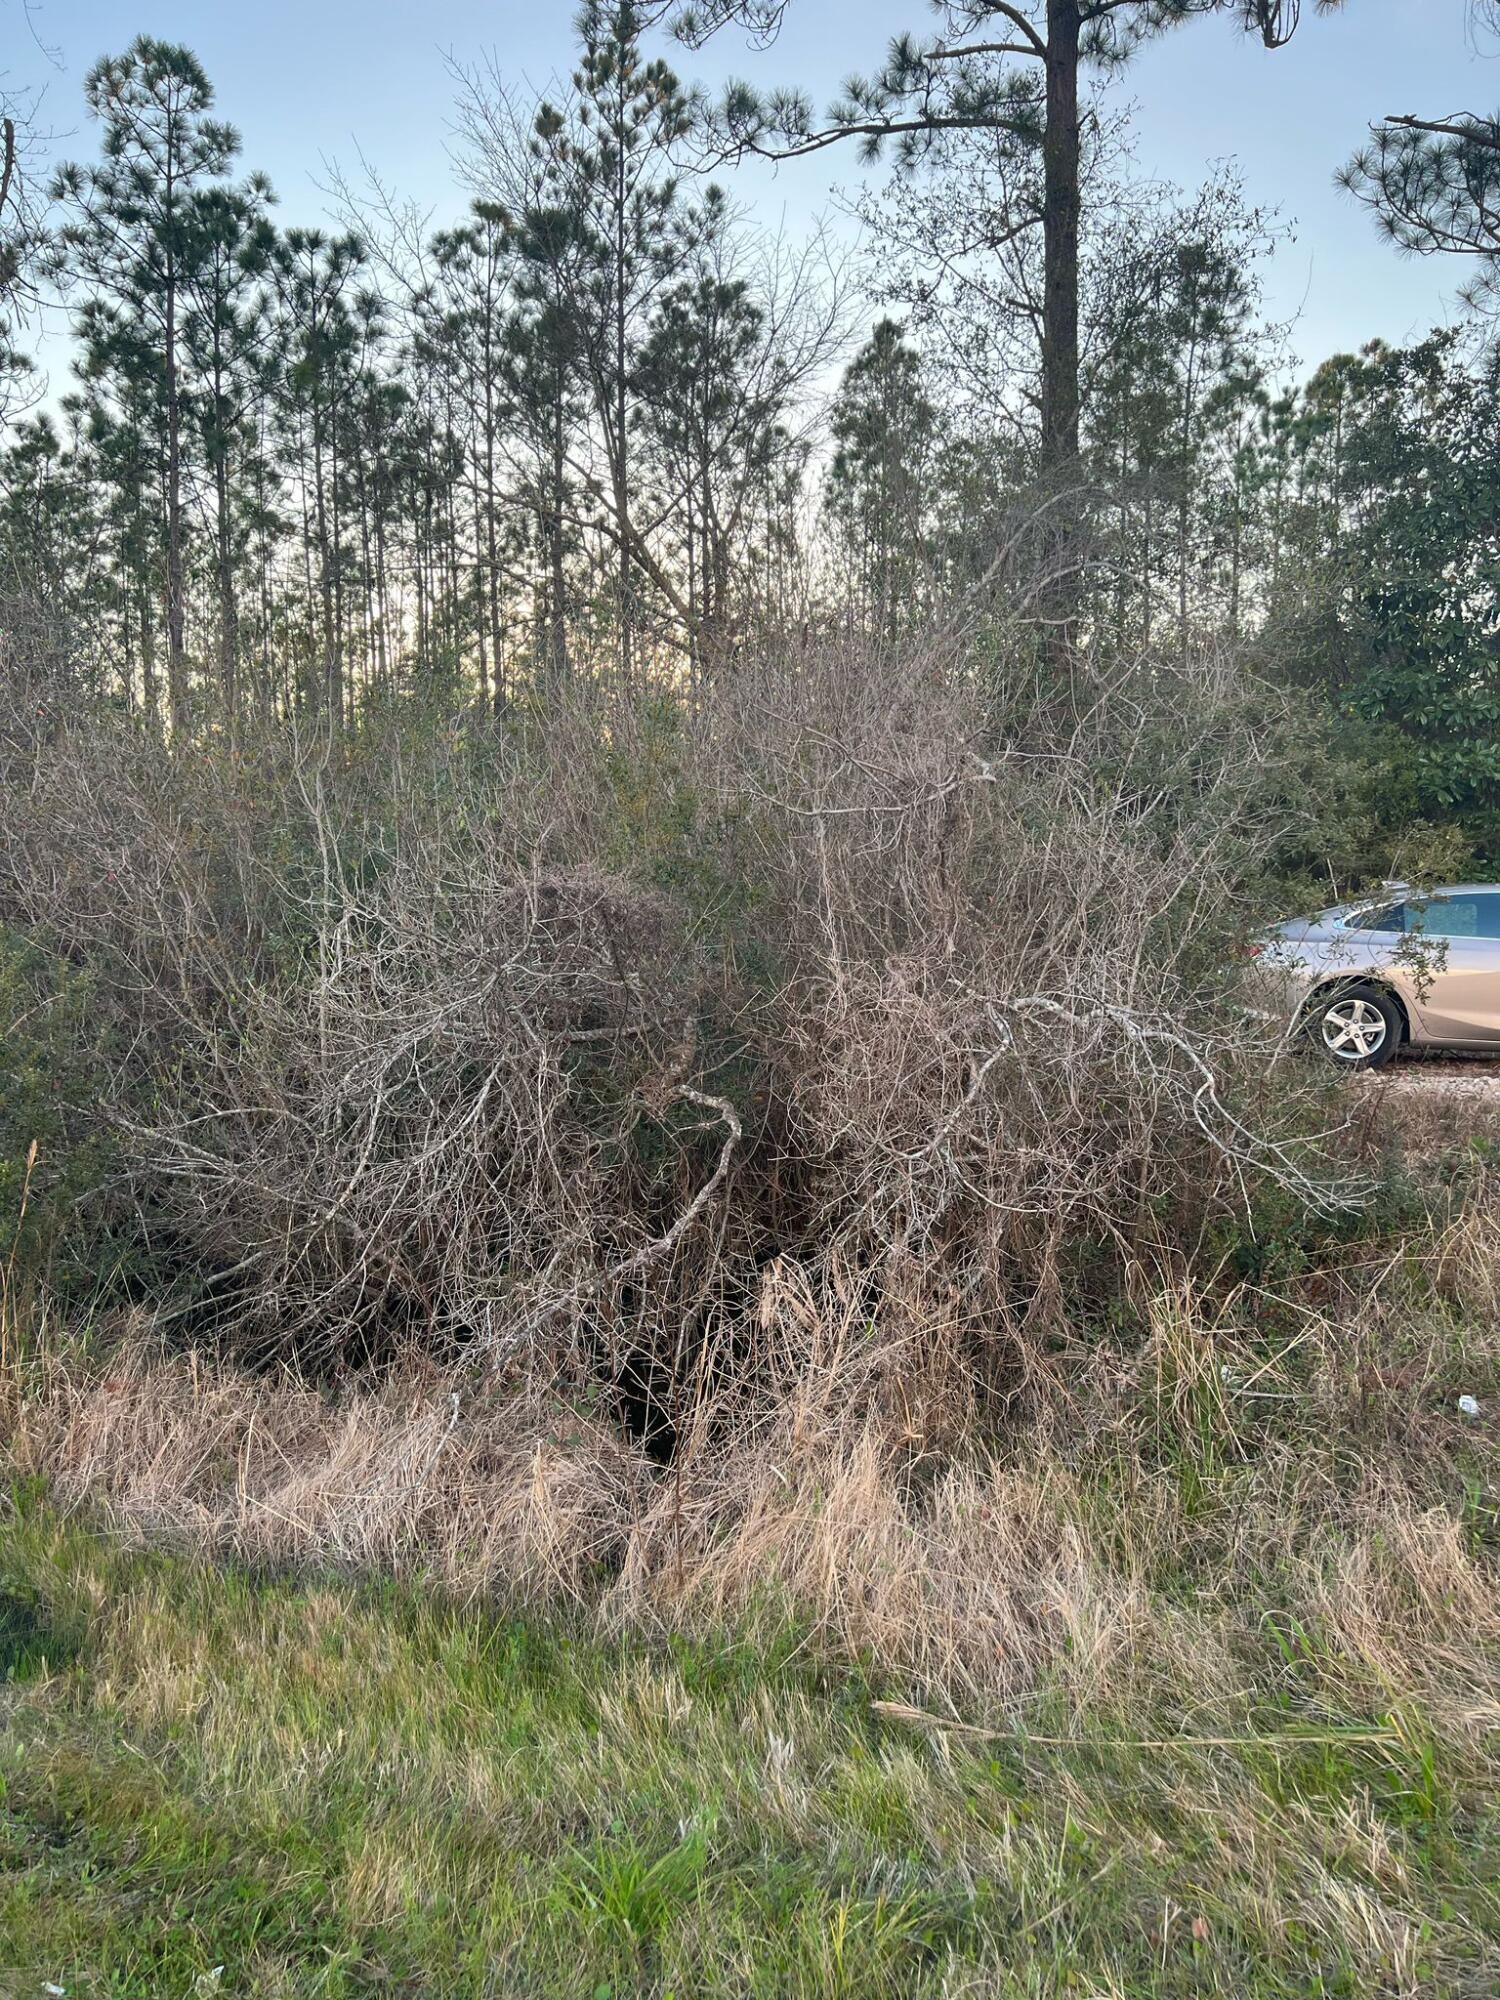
pixel 341 1789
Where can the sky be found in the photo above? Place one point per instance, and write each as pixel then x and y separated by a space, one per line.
pixel 310 83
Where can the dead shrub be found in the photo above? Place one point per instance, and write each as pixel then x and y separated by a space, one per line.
pixel 545 1043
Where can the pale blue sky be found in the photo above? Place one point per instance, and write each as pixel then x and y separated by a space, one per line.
pixel 308 81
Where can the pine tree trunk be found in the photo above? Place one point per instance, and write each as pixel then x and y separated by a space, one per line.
pixel 332 690
pixel 492 544
pixel 149 692
pixel 557 644
pixel 229 624
pixel 622 412
pixel 1060 467
pixel 1060 213
pixel 176 622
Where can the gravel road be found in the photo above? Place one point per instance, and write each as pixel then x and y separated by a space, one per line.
pixel 1439 1076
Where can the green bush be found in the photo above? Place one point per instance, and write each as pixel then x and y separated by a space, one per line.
pixel 52 1083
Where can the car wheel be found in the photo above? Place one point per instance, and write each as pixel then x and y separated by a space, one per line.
pixel 1357 1027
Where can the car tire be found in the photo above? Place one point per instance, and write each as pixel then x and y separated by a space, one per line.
pixel 1355 1026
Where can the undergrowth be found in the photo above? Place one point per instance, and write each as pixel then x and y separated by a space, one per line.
pixel 251 1785
pixel 1187 1685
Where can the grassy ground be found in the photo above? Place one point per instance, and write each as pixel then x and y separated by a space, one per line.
pixel 331 1788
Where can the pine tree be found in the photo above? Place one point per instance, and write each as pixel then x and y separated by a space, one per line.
pixel 544 379
pixel 610 169
pixel 131 241
pixel 1434 184
pixel 318 279
pixel 23 224
pixel 883 432
pixel 1182 355
pixel 466 312
pixel 715 376
pixel 227 336
pixel 1011 67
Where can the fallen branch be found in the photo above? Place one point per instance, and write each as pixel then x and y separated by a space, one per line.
pixel 1290 1739
pixel 663 1246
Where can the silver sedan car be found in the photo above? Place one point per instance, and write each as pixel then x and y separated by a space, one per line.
pixel 1419 968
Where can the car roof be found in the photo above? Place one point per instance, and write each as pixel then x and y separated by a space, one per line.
pixel 1387 889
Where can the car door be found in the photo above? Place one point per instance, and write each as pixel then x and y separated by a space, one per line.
pixel 1458 988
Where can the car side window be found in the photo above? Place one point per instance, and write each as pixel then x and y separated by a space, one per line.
pixel 1470 916
pixel 1392 918
pixel 1441 916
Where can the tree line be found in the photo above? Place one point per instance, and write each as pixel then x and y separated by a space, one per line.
pixel 302 467
pixel 595 430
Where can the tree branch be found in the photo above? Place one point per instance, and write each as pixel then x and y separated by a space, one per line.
pixel 1021 24
pixel 986 49
pixel 662 1246
pixel 7 170
pixel 884 128
pixel 1464 125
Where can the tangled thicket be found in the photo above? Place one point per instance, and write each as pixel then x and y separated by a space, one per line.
pixel 546 1042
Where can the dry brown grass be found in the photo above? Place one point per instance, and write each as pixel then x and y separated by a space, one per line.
pixel 408 1474
pixel 1288 1458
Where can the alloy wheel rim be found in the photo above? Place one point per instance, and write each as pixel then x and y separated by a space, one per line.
pixel 1353 1029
